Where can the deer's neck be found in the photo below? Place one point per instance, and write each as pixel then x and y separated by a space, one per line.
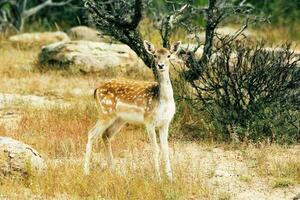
pixel 165 87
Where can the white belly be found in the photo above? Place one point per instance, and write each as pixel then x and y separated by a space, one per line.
pixel 162 114
pixel 130 113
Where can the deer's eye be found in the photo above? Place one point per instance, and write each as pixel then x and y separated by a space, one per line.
pixel 155 56
pixel 169 56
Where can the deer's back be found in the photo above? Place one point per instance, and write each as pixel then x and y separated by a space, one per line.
pixel 126 96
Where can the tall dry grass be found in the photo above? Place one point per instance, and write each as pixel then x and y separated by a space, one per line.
pixel 60 135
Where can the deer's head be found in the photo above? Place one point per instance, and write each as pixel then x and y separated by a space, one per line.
pixel 162 56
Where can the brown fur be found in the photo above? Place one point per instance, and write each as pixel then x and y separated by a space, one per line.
pixel 139 93
pixel 148 103
pixel 162 51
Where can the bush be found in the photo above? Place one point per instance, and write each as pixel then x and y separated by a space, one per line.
pixel 281 11
pixel 250 92
pixel 65 17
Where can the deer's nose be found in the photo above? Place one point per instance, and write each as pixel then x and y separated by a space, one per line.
pixel 161 65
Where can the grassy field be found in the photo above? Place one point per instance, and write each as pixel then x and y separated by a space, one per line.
pixel 58 130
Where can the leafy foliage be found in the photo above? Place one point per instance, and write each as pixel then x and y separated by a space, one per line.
pixel 14 13
pixel 280 11
pixel 69 15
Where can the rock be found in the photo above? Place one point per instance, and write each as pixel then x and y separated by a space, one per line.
pixel 191 47
pixel 10 112
pixel 278 50
pixel 87 33
pixel 88 56
pixel 40 39
pixel 7 100
pixel 19 159
pixel 297 197
pixel 221 32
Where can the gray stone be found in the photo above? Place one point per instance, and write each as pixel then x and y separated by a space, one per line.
pixel 223 31
pixel 38 38
pixel 88 34
pixel 88 56
pixel 19 159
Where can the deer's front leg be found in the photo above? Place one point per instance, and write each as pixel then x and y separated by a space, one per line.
pixel 163 135
pixel 155 148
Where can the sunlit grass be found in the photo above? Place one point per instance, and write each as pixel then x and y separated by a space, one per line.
pixel 68 180
pixel 60 133
pixel 279 35
pixel 276 164
pixel 60 136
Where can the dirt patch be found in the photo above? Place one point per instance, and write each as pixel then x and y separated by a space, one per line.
pixel 228 173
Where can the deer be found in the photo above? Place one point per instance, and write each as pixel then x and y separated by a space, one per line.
pixel 140 102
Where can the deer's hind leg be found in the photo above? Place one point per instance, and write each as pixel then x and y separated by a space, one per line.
pixel 113 129
pixel 98 129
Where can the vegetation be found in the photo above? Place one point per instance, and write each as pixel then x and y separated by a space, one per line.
pixel 59 134
pixel 15 13
pixel 245 93
pixel 235 84
pixel 248 90
pixel 281 12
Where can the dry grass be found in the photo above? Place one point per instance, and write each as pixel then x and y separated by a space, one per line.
pixel 20 74
pixel 202 170
pixel 281 165
pixel 67 181
pixel 60 135
pixel 279 34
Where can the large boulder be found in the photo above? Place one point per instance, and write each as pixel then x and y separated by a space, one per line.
pixel 38 39
pixel 87 33
pixel 88 56
pixel 19 159
pixel 222 32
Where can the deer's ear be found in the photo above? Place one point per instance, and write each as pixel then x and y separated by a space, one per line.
pixel 175 47
pixel 149 47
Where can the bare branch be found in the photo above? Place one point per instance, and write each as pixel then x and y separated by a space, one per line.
pixel 215 13
pixel 24 5
pixel 119 27
pixel 137 14
pixel 12 18
pixel 170 22
pixel 228 39
pixel 34 10
pixel 178 17
pixel 21 13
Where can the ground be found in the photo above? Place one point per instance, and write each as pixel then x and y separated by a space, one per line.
pixel 52 111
